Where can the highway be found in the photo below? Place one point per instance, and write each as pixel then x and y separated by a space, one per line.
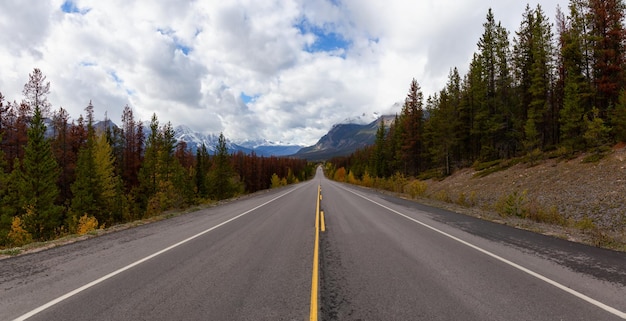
pixel 380 258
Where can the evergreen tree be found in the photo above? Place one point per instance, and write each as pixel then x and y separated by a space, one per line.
pixel 86 188
pixel 572 123
pixel 63 153
pixel 536 128
pixel 133 141
pixel 221 176
pixel 618 118
pixel 596 133
pixel 202 170
pixel 492 109
pixel 378 166
pixel 37 184
pixel 444 126
pixel 149 168
pixel 412 125
pixel 164 184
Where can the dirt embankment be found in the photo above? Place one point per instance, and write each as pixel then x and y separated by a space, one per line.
pixel 589 197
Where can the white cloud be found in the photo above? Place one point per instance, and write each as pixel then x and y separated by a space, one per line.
pixel 190 61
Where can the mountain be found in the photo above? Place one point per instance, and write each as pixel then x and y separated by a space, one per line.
pixel 343 139
pixel 194 140
pixel 262 147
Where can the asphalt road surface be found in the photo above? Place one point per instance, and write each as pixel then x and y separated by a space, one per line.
pixel 380 258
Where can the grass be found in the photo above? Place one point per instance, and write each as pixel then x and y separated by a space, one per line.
pixel 484 169
pixel 11 252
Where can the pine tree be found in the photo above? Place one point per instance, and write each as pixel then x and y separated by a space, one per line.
pixel 63 153
pixel 491 90
pixel 536 128
pixel 618 118
pixel 37 184
pixel 148 173
pixel 378 166
pixel 133 141
pixel 202 169
pixel 572 123
pixel 597 133
pixel 221 176
pixel 412 125
pixel 86 188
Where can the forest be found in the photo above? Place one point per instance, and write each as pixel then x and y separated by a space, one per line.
pixel 73 178
pixel 537 95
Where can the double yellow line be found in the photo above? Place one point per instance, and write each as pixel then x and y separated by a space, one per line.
pixel 319 220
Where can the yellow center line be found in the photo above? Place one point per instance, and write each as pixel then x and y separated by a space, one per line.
pixel 315 278
pixel 323 226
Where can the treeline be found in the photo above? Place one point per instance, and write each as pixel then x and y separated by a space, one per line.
pixel 536 95
pixel 73 177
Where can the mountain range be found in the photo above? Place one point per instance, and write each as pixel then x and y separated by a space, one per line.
pixel 342 139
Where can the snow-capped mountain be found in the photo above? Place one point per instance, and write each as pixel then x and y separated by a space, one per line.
pixel 261 147
pixel 362 119
pixel 194 140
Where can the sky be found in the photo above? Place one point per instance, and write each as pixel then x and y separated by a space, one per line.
pixel 281 70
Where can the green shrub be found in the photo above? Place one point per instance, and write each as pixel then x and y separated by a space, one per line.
pixel 512 205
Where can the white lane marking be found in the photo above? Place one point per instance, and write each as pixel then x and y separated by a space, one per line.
pixel 501 259
pixel 114 273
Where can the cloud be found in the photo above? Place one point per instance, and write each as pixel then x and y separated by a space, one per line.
pixel 283 70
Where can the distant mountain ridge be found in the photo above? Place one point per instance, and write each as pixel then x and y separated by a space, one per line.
pixel 343 140
pixel 194 140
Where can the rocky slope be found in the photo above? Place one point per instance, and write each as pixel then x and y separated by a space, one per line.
pixel 590 197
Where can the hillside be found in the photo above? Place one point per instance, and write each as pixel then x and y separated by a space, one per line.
pixel 591 197
pixel 343 140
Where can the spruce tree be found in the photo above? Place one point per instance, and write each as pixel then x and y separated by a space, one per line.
pixel 85 188
pixel 202 169
pixel 37 184
pixel 618 118
pixel 221 175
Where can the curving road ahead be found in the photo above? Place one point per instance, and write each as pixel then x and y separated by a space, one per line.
pixel 380 258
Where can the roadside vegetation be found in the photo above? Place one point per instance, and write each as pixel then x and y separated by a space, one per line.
pixel 60 178
pixel 543 96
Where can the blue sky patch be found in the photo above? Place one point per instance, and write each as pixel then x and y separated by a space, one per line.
pixel 326 40
pixel 247 99
pixel 184 49
pixel 70 7
pixel 116 78
pixel 177 43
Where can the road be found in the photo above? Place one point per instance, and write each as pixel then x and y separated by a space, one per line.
pixel 380 258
